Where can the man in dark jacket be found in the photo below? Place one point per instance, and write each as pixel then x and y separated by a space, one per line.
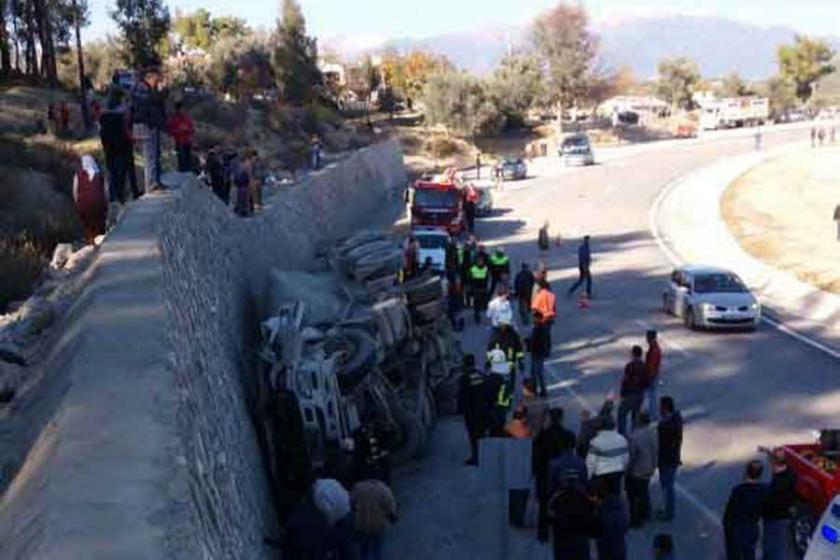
pixel 743 510
pixel 633 386
pixel 777 514
pixel 670 432
pixel 570 509
pixel 476 402
pixel 116 143
pixel 524 287
pixel 149 110
pixel 584 264
pixel 552 439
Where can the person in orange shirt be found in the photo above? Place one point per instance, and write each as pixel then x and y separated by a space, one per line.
pixel 539 343
pixel 544 302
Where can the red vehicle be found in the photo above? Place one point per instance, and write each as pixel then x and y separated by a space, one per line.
pixel 438 204
pixel 818 482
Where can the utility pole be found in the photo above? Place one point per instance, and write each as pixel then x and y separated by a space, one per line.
pixel 83 100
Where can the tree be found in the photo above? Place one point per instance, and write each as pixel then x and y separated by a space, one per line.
pixel 733 86
pixel 143 24
pixel 567 50
pixel 516 85
pixel 296 57
pixel 409 74
pixel 201 30
pixel 241 66
pixel 80 9
pixel 5 50
pixel 804 63
pixel 363 80
pixel 781 94
pixel 678 78
pixel 462 103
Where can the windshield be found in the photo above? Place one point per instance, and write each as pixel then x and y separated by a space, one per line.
pixel 436 199
pixel 431 241
pixel 718 283
pixel 511 161
pixel 575 142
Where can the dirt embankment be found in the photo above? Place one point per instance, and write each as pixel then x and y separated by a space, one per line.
pixel 782 213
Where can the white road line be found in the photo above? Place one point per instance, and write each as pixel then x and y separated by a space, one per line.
pixel 711 515
pixel 677 261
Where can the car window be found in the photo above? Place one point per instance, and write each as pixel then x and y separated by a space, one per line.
pixel 575 142
pixel 431 241
pixel 435 198
pixel 718 283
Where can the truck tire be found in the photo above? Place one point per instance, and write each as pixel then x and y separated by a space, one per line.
pixel 427 312
pixel 358 356
pixel 413 436
pixel 418 292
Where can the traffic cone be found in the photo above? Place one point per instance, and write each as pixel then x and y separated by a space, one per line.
pixel 584 303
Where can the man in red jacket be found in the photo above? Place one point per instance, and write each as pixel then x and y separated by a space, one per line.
pixel 180 127
pixel 653 359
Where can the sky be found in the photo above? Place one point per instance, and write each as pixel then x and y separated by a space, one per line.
pixel 365 23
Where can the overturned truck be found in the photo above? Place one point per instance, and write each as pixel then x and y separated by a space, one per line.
pixel 350 356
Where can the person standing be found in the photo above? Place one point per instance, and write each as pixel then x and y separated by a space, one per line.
pixel 374 511
pixel 315 153
pixel 523 286
pixel 52 119
pixel 539 345
pixel 242 181
pixel 653 362
pixel 821 136
pixel 548 444
pixel 411 258
pixel 219 180
pixel 813 136
pixel 90 198
pixel 633 385
pixel 644 451
pixel 777 515
pixel 499 268
pixel 570 510
pixel 115 135
pixel 64 116
pixel 181 129
pixel 479 286
pixel 149 111
pixel 584 268
pixel 543 240
pixel 470 203
pixel 743 511
pixel 499 309
pixel 670 432
pixel 606 464
pixel 476 402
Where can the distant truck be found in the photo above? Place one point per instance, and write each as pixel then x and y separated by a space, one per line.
pixel 438 203
pixel 734 112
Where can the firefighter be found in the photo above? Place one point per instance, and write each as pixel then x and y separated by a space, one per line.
pixel 479 287
pixel 505 343
pixel 499 268
pixel 499 387
pixel 466 259
pixel 476 402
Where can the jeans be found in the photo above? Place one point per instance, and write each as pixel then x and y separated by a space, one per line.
pixel 538 374
pixel 151 158
pixel 667 474
pixel 614 522
pixel 118 165
pixel 184 154
pixel 776 540
pixel 735 551
pixel 370 546
pixel 652 394
pixel 132 175
pixel 524 305
pixel 630 404
pixel 638 494
pixel 570 548
pixel 585 276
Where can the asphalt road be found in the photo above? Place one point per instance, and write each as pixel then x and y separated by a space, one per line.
pixel 736 390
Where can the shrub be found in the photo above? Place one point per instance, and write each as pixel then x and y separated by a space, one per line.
pixel 443 147
pixel 21 264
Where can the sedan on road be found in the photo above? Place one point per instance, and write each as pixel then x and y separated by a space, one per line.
pixel 708 297
pixel 512 168
pixel 576 150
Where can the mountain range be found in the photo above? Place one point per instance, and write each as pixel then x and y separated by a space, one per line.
pixel 719 45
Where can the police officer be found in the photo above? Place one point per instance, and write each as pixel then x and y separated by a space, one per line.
pixel 479 287
pixel 499 268
pixel 476 401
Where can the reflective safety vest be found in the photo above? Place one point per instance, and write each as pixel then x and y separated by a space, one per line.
pixel 504 396
pixel 460 255
pixel 478 272
pixel 499 260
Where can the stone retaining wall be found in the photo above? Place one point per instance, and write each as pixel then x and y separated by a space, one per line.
pixel 210 497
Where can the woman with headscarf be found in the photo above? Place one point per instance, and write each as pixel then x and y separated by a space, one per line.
pixel 90 198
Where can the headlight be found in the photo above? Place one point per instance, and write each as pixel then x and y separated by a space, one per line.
pixel 707 307
pixel 755 306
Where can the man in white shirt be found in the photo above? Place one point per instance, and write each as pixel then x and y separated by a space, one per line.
pixel 499 310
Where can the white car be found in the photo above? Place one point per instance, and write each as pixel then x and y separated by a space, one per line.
pixel 708 297
pixel 577 150
pixel 432 246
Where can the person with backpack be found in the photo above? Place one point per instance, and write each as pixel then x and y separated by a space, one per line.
pixel 571 511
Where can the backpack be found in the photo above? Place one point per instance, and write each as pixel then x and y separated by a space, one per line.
pixel 573 511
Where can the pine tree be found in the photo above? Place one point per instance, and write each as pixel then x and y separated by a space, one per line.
pixel 144 23
pixel 295 57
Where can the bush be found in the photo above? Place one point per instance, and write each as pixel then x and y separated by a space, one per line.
pixel 443 147
pixel 21 264
pixel 462 103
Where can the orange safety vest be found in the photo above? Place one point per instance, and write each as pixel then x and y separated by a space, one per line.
pixel 545 303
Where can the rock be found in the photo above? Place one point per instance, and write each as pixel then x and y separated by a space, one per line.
pixel 98 240
pixel 36 315
pixel 321 294
pixel 61 253
pixel 80 259
pixel 11 378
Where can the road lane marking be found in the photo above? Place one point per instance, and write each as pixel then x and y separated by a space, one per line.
pixel 568 385
pixel 677 261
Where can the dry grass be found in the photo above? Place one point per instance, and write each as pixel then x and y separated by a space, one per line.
pixel 781 213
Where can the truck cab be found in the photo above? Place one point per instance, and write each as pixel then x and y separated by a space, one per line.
pixel 437 204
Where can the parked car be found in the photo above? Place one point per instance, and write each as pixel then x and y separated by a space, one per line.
pixel 708 297
pixel 432 246
pixel 576 150
pixel 511 168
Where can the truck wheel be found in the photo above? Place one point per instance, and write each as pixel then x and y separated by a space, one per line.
pixel 802 529
pixel 359 356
